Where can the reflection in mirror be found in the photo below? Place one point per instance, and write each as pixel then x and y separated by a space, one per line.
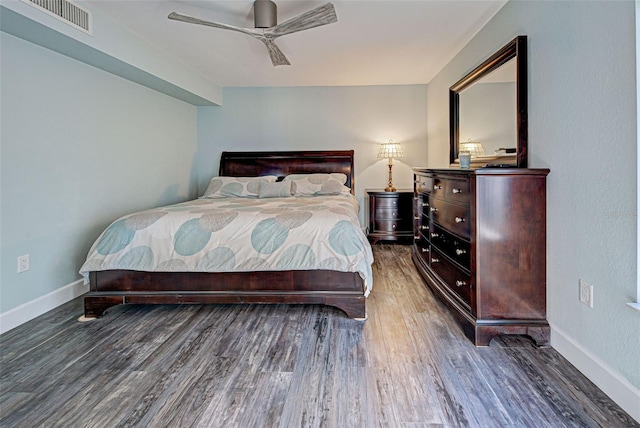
pixel 488 114
pixel 488 110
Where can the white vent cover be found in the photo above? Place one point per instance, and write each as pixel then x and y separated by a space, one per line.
pixel 66 11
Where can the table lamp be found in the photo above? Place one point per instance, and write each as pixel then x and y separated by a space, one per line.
pixel 390 151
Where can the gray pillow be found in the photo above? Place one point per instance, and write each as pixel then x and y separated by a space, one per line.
pixel 281 189
pixel 224 187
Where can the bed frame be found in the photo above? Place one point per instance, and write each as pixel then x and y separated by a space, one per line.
pixel 344 290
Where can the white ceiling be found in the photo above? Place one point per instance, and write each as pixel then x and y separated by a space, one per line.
pixel 373 43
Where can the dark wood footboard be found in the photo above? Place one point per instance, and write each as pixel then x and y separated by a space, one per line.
pixel 344 290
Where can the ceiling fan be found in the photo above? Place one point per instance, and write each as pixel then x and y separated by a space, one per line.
pixel 266 24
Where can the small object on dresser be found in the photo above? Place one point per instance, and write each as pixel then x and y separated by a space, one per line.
pixel 465 159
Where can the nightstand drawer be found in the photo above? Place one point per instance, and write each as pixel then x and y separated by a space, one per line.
pixel 389 226
pixel 387 202
pixel 386 213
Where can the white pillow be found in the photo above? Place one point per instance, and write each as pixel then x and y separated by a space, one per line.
pixel 318 178
pixel 281 189
pixel 224 187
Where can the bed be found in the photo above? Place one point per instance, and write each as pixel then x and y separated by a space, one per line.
pixel 236 277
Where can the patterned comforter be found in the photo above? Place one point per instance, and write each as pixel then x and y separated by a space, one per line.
pixel 238 234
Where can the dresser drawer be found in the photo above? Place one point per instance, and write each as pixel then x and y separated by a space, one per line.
pixel 458 250
pixel 424 207
pixel 423 250
pixel 452 217
pixel 424 183
pixel 421 203
pixel 458 280
pixel 423 229
pixel 439 187
pixel 458 191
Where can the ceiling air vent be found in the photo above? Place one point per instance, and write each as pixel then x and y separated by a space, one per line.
pixel 66 11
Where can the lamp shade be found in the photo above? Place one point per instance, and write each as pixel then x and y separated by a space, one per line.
pixel 473 147
pixel 390 150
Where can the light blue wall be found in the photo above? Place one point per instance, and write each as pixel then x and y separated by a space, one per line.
pixel 319 118
pixel 582 125
pixel 110 47
pixel 79 147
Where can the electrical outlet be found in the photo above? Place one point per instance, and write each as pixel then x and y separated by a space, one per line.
pixel 586 293
pixel 23 263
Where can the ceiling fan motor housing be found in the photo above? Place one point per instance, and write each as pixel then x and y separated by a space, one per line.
pixel 265 14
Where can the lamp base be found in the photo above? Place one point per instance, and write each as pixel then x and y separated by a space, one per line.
pixel 390 187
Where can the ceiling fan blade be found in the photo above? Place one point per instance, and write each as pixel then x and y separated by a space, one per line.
pixel 277 57
pixel 322 15
pixel 191 20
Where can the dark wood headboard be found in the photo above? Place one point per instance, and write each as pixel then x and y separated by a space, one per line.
pixel 253 164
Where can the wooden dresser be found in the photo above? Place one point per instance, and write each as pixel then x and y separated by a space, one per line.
pixel 480 245
pixel 390 215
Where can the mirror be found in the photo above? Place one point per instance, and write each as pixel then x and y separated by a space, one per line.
pixel 488 110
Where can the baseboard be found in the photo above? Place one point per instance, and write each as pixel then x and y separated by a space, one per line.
pixel 611 383
pixel 30 310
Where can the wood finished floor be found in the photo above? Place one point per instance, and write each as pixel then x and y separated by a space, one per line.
pixel 408 365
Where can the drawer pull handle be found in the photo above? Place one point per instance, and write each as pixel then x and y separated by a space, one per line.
pixel 437 187
pixel 459 219
pixel 416 218
pixel 460 251
pixel 417 238
pixel 425 204
pixel 456 190
pixel 460 283
pixel 433 210
pixel 434 260
pixel 424 250
pixel 393 226
pixel 394 214
pixel 424 227
pixel 434 235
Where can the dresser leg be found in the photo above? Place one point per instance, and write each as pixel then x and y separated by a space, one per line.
pixel 538 334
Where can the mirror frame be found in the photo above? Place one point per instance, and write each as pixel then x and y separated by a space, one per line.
pixel 517 49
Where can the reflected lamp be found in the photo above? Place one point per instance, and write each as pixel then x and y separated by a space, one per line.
pixel 473 147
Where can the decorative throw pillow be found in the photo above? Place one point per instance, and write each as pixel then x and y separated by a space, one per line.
pixel 317 184
pixel 281 189
pixel 318 177
pixel 224 187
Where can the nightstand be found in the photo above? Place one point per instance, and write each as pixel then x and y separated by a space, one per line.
pixel 390 215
